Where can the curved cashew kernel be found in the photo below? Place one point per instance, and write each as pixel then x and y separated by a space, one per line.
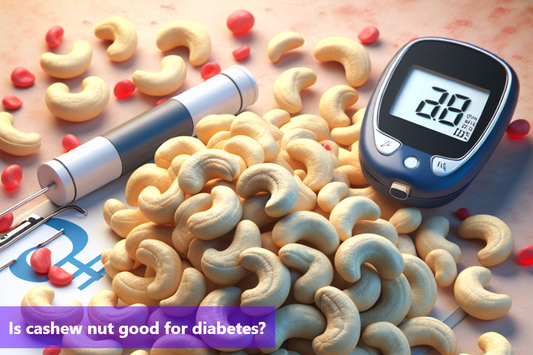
pixel 351 167
pixel 223 215
pixel 333 103
pixel 387 338
pixel 132 289
pixel 281 162
pixel 139 352
pixel 69 65
pixel 315 124
pixel 423 286
pixel 253 126
pixel 343 323
pixel 315 266
pixel 387 206
pixel 393 304
pixel 492 230
pixel 198 247
pixel 254 210
pixel 112 206
pixel 188 34
pixel 288 85
pixel 432 332
pixel 317 160
pixel 470 294
pixel 339 176
pixel 174 147
pixel 15 142
pixel 379 226
pixel 274 179
pixel 350 210
pixel 108 267
pixel 407 246
pixel 42 296
pixel 442 264
pixel 297 321
pixel 80 106
pixel 274 131
pixel 107 298
pixel 283 42
pixel 169 79
pixel 301 174
pixel 277 117
pixel 368 350
pixel 352 55
pixel 120 259
pixel 160 207
pixel 432 235
pixel 296 133
pixel 209 125
pixel 268 243
pixel 147 231
pixel 123 34
pixel 218 140
pixel 493 343
pixel 365 292
pixel 190 293
pixel 306 226
pixel 274 278
pixel 124 221
pixel 146 175
pixel 406 220
pixel 182 237
pixel 372 249
pixel 346 135
pixel 176 164
pixel 247 148
pixel 306 197
pixel 224 266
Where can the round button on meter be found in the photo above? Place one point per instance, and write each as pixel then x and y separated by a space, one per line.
pixel 438 112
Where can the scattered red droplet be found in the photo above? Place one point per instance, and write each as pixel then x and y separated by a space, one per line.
pixel 525 255
pixel 11 102
pixel 54 36
pixel 41 261
pixel 11 176
pixel 59 277
pixel 412 39
pixel 52 350
pixel 22 78
pixel 518 129
pixel 326 147
pixel 159 102
pixel 124 89
pixel 209 70
pixel 6 222
pixel 463 213
pixel 368 35
pixel 70 142
pixel 240 22
pixel 241 53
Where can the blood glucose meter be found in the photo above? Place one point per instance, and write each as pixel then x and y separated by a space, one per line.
pixel 438 112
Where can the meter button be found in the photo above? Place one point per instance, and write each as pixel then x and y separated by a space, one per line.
pixel 444 167
pixel 385 145
pixel 399 191
pixel 410 162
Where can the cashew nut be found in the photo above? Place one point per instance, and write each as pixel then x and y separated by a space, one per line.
pixel 350 210
pixel 352 55
pixel 365 292
pixel 349 135
pixel 432 332
pixel 37 308
pixel 132 289
pixel 423 286
pixel 69 65
pixel 442 264
pixel 218 140
pixel 164 82
pixel 306 197
pixel 317 160
pixel 120 259
pixel 339 176
pixel 72 345
pixel 372 249
pixel 268 243
pixel 379 226
pixel 147 231
pixel 198 247
pixel 112 206
pixel 387 206
pixel 209 125
pixel 277 117
pixel 492 230
pixel 181 344
pixel 351 167
pixel 283 42
pixel 188 34
pixel 331 194
pixel 315 124
pixel 108 267
pixel 123 34
pixel 160 207
pixel 15 142
pixel 146 175
pixel 288 85
pixel 470 294
pixel 407 246
pixel 333 103
pixel 492 343
pixel 254 210
pixel 406 220
pixel 182 237
pixel 124 221
pixel 432 235
pixel 387 338
pixel 190 293
pixel 247 148
pixel 174 147
pixel 309 227
pixel 137 313
pixel 253 126
pixel 175 166
pixel 343 323
pixel 80 106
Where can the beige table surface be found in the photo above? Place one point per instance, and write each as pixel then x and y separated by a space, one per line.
pixel 503 188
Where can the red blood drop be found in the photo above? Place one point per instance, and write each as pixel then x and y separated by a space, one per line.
pixel 70 142
pixel 11 176
pixel 59 277
pixel 209 70
pixel 22 78
pixel 6 222
pixel 368 35
pixel 159 102
pixel 54 36
pixel 326 147
pixel 463 213
pixel 51 350
pixel 525 255
pixel 11 102
pixel 241 53
pixel 518 129
pixel 124 89
pixel 41 261
pixel 240 22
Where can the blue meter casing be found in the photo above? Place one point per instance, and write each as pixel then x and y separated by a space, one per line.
pixel 436 116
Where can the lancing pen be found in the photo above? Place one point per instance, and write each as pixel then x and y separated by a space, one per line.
pixel 103 159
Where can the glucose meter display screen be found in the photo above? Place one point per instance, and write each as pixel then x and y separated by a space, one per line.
pixel 440 103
